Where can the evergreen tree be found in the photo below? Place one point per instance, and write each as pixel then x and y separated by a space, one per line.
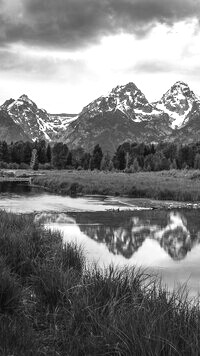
pixel 69 159
pixel 86 161
pixel 170 151
pixel 126 146
pixel 60 154
pixel 185 156
pixel 106 163
pixel 160 162
pixel 18 152
pixel 27 152
pixel 48 153
pixel 97 156
pixel 119 159
pixel 149 162
pixel 10 147
pixel 4 156
pixel 41 151
pixel 77 157
pixel 197 161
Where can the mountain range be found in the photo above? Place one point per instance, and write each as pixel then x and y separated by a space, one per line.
pixel 124 114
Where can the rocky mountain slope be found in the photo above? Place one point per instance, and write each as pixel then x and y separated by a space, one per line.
pixel 36 123
pixel 9 130
pixel 123 114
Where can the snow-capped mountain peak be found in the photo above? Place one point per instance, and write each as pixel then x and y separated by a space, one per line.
pixel 23 101
pixel 36 123
pixel 182 85
pixel 129 95
pixel 25 98
pixel 126 98
pixel 178 102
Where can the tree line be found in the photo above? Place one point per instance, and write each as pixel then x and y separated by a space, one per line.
pixel 129 157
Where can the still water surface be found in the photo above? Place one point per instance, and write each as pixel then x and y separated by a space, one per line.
pixel 166 242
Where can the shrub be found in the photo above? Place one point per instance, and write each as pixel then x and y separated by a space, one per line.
pixel 75 188
pixel 13 166
pixel 10 174
pixel 45 166
pixel 3 165
pixel 24 166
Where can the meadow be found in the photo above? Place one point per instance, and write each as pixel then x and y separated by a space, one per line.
pixel 179 185
pixel 52 304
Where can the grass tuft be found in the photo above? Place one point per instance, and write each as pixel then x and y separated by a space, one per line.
pixel 10 291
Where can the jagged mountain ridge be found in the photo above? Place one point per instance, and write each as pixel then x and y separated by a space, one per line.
pixel 36 123
pixel 124 114
pixel 126 98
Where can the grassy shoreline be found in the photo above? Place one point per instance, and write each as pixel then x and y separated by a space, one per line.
pixel 166 185
pixel 51 304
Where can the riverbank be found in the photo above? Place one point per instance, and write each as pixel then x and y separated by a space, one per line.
pixel 51 304
pixel 165 185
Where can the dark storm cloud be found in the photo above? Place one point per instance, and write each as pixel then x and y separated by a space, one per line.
pixel 74 23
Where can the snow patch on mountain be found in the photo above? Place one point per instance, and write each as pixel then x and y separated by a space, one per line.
pixel 61 121
pixel 178 119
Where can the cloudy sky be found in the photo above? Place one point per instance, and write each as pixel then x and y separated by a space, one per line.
pixel 65 53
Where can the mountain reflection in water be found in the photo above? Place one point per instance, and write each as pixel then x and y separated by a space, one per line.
pixel 126 236
pixel 167 243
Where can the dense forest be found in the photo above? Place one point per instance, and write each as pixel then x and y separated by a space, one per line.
pixel 129 157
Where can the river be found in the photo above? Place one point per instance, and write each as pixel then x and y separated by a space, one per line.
pixel 165 242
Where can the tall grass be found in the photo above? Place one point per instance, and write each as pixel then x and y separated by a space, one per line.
pixel 51 304
pixel 165 185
